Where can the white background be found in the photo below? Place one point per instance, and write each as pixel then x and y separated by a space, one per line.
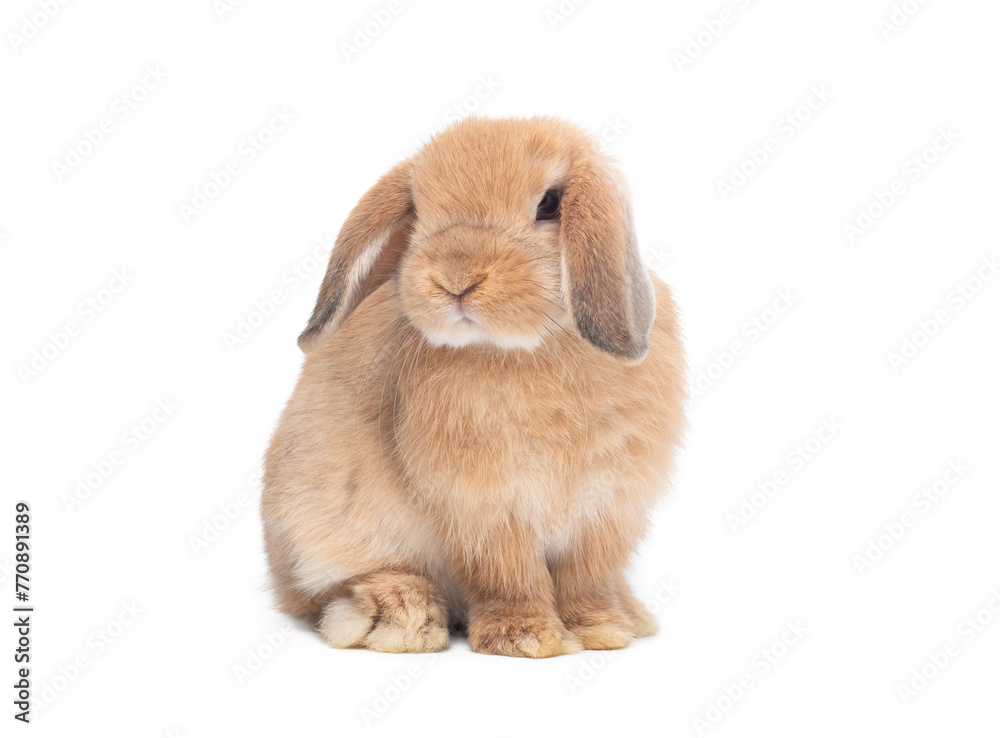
pixel 196 661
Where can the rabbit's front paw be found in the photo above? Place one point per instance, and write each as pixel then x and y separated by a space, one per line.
pixel 534 636
pixel 603 629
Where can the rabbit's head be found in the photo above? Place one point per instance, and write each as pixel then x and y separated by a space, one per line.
pixel 498 232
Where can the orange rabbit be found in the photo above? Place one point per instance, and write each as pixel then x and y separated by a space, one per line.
pixel 490 402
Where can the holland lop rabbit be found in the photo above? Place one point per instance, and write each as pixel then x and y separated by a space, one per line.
pixel 490 402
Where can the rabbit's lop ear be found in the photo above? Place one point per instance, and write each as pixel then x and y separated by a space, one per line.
pixel 610 292
pixel 365 255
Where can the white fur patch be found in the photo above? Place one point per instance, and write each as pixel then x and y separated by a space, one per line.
pixel 366 260
pixel 342 626
pixel 459 335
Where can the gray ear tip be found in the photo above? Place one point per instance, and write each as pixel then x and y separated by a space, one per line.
pixel 635 352
pixel 307 339
pixel 320 322
pixel 641 348
pixel 632 349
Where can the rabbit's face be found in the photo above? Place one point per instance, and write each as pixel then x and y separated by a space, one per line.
pixel 483 263
pixel 499 232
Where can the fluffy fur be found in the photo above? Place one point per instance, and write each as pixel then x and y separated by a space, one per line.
pixel 488 407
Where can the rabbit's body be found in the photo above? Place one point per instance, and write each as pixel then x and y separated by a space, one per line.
pixel 411 483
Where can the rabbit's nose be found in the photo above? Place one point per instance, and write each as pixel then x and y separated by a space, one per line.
pixel 463 289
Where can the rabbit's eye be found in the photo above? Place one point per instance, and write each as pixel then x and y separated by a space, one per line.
pixel 548 208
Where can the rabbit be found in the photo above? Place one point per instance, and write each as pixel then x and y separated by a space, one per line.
pixel 490 403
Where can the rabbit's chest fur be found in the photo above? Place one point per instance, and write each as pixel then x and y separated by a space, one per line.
pixel 538 439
